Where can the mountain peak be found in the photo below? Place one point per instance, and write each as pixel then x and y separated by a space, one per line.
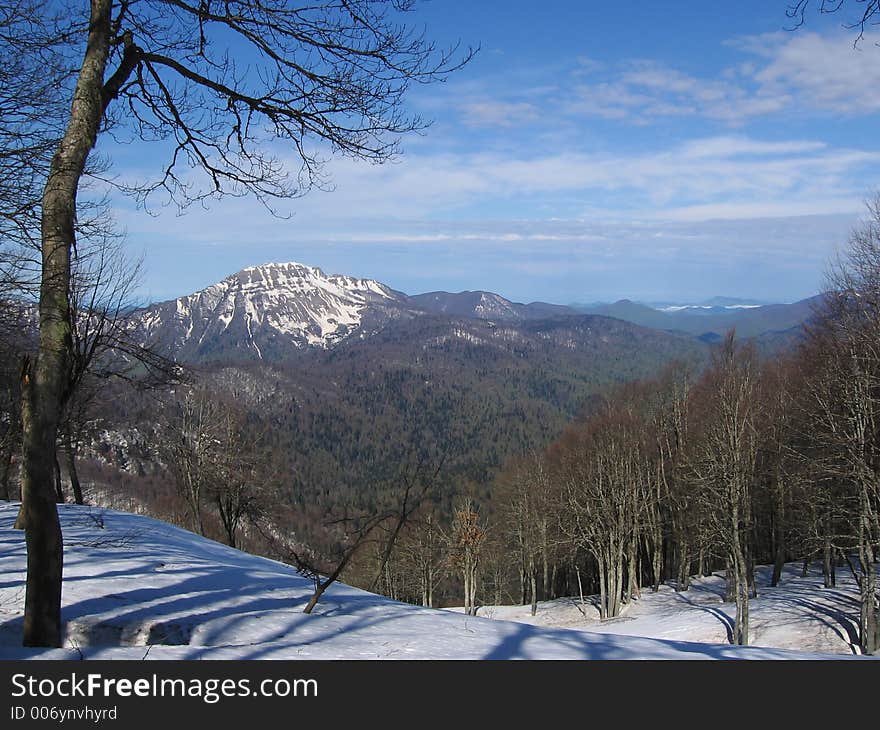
pixel 267 308
pixel 294 276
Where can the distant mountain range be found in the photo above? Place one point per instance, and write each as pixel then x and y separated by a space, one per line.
pixel 277 311
pixel 712 320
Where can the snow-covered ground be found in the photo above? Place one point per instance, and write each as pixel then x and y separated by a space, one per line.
pixel 136 587
pixel 799 614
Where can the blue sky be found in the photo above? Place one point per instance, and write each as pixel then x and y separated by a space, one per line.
pixel 590 151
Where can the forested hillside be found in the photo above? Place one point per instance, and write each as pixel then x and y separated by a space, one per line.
pixel 341 426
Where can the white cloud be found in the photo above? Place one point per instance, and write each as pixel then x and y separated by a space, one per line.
pixel 783 71
pixel 647 90
pixel 497 113
pixel 826 72
pixel 732 176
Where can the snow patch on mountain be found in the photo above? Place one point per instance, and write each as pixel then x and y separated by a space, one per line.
pixel 279 304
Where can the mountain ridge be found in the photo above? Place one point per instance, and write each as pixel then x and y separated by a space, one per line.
pixel 277 311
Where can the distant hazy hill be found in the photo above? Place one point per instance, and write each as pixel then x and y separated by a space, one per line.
pixel 749 321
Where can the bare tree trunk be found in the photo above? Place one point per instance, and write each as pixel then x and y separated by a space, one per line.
pixel 778 538
pixel 657 560
pixel 389 548
pixel 730 585
pixel 603 590
pixel 545 561
pixel 580 585
pixel 684 569
pixel 533 587
pixel 72 474
pixel 6 467
pixel 545 582
pixel 869 620
pixel 828 570
pixel 316 596
pixel 474 588
pixel 632 583
pixel 741 625
pixel 45 381
pixel 629 568
pixel 750 573
pixel 59 488
pixel 39 519
pixel 741 584
pixel 199 519
pixel 322 586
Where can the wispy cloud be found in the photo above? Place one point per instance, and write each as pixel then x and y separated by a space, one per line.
pixel 738 172
pixel 778 72
pixel 825 72
pixel 498 113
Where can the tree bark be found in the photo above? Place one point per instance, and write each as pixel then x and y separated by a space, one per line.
pixel 740 568
pixel 59 488
pixel 657 560
pixel 45 381
pixel 72 474
pixel 684 569
pixel 533 587
pixel 545 561
pixel 828 570
pixel 580 584
pixel 6 467
pixel 778 538
pixel 730 582
pixel 869 622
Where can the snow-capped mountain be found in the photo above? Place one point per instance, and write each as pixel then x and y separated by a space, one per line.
pixel 270 312
pixel 263 311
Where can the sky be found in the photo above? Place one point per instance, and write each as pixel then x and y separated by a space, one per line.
pixel 589 152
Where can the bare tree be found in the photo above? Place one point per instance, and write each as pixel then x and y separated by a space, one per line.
pixel 31 110
pixel 529 511
pixel 466 539
pixel 864 16
pixel 422 554
pixel 723 464
pixel 604 473
pixel 192 449
pixel 844 392
pixel 240 474
pixel 322 77
pixel 415 486
pixel 103 342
